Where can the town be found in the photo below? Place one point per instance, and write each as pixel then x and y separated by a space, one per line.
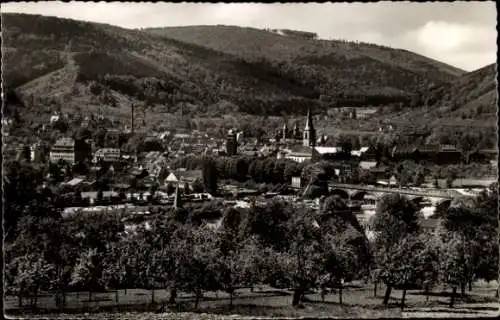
pixel 220 171
pixel 98 175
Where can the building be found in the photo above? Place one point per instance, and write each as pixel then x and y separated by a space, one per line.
pixel 484 155
pixel 298 154
pixel 359 153
pixel 23 152
pixel 296 182
pixel 37 152
pixel 309 134
pixel 107 154
pixel 231 143
pixel 285 132
pixel 63 149
pixel 327 153
pixel 184 178
pixel 448 154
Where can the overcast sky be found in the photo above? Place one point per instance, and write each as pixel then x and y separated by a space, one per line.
pixel 462 34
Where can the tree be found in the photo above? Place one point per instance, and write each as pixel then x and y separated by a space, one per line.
pixel 236 263
pixel 453 263
pixel 395 218
pixel 114 272
pixel 468 144
pixel 419 179
pixel 197 186
pixel 410 261
pixel 302 261
pixel 346 144
pixel 87 272
pixel 475 221
pixel 30 273
pixel 209 176
pixel 170 188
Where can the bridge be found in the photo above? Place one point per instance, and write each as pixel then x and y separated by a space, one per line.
pixel 358 191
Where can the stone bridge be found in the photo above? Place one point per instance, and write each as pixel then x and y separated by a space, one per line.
pixel 357 192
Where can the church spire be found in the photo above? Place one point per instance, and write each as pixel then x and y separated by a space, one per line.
pixel 309 122
pixel 309 136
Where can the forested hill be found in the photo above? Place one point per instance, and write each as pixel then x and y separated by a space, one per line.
pixel 471 99
pixel 294 47
pixel 53 62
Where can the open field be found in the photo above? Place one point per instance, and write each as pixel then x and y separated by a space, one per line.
pixel 358 302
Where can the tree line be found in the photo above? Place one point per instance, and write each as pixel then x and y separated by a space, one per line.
pixel 276 244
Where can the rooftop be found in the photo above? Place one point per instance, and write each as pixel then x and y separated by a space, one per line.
pixel 327 150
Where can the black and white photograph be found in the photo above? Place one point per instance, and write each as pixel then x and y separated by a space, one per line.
pixel 181 160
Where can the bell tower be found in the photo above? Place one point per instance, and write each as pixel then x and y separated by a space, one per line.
pixel 309 135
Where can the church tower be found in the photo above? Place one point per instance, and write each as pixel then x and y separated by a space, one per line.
pixel 309 135
pixel 285 132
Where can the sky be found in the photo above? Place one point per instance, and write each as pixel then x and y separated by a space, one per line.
pixel 462 34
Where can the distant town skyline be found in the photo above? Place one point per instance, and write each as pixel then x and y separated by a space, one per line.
pixel 462 34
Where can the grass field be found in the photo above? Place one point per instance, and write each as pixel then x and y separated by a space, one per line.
pixel 358 302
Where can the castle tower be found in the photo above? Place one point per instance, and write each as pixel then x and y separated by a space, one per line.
pixel 309 135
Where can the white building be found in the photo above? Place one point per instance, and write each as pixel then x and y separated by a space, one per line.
pixel 63 149
pixel 107 154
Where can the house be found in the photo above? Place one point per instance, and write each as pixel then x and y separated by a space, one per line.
pixel 296 182
pixel 380 172
pixel 359 153
pixel 73 182
pixel 154 162
pixel 392 182
pixel 370 153
pixel 428 152
pixel 92 195
pixel 448 154
pixel 400 153
pixel 63 149
pixel 367 165
pixel 184 178
pixel 484 155
pixel 327 153
pixel 23 152
pixel 37 152
pixel 107 155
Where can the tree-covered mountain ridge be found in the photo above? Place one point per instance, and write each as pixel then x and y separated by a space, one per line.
pixel 212 70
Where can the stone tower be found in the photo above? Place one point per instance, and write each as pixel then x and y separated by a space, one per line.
pixel 285 131
pixel 309 135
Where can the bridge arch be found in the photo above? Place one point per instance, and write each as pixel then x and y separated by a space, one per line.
pixel 358 195
pixel 417 199
pixel 341 192
pixel 442 205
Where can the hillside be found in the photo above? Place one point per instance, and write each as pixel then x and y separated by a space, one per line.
pixel 255 44
pixel 468 100
pixel 70 64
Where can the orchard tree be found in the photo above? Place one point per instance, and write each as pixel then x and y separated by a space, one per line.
pixel 396 217
pixel 87 272
pixel 302 262
pixel 453 261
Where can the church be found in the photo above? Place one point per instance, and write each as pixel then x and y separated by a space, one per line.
pixel 299 152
